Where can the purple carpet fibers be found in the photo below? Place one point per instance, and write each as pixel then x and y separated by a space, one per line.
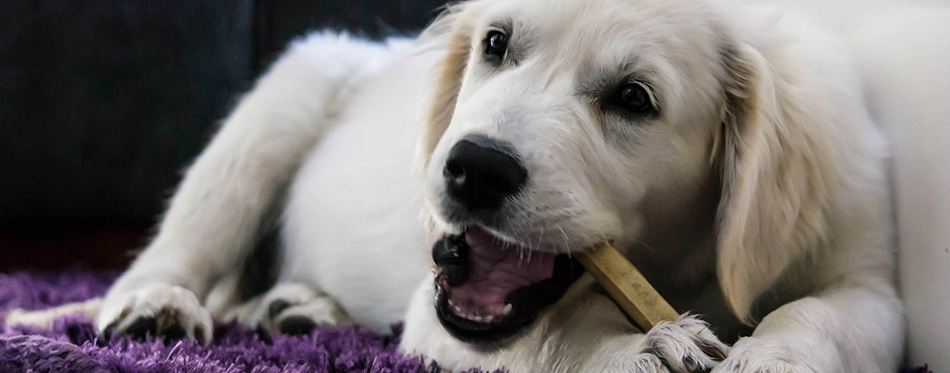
pixel 73 345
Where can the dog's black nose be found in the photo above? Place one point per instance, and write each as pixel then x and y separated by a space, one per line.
pixel 481 174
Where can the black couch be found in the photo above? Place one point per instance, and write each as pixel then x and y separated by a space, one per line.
pixel 103 103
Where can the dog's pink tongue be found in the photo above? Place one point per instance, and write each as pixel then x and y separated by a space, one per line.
pixel 494 271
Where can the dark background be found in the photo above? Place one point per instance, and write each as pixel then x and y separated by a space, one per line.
pixel 104 102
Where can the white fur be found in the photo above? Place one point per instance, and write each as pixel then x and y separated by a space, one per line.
pixel 759 108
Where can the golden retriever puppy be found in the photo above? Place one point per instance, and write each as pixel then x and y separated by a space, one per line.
pixel 726 152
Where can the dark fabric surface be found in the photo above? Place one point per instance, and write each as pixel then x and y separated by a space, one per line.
pixel 281 20
pixel 102 102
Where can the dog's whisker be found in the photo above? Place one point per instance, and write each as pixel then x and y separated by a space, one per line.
pixel 645 245
pixel 567 240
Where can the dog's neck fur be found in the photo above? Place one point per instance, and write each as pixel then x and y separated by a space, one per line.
pixel 674 249
pixel 676 252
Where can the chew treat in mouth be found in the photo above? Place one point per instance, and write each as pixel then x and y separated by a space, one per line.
pixel 627 286
pixel 488 289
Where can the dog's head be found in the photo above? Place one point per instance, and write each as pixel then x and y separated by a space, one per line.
pixel 556 125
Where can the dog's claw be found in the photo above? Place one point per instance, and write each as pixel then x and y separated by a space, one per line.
pixel 713 351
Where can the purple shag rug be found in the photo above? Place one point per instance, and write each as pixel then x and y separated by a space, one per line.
pixel 73 345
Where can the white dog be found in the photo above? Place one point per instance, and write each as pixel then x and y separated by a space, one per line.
pixel 728 154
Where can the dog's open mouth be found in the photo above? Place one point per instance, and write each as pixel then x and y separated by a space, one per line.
pixel 487 290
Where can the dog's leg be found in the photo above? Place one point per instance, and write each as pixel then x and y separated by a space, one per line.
pixel 856 329
pixel 215 216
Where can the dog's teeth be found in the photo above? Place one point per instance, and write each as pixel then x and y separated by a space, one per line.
pixel 475 315
pixel 507 309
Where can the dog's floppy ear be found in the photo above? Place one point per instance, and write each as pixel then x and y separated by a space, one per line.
pixel 776 174
pixel 453 30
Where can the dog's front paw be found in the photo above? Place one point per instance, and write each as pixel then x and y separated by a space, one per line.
pixel 295 309
pixel 686 345
pixel 161 310
pixel 752 355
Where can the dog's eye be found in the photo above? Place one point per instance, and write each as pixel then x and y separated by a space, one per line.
pixel 496 45
pixel 633 98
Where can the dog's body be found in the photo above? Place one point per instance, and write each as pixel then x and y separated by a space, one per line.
pixel 753 158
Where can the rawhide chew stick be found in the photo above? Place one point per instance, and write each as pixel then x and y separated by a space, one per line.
pixel 627 286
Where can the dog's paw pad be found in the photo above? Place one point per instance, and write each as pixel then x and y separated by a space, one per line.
pixel 163 311
pixel 297 325
pixel 174 332
pixel 293 308
pixel 317 312
pixel 199 334
pixel 142 326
